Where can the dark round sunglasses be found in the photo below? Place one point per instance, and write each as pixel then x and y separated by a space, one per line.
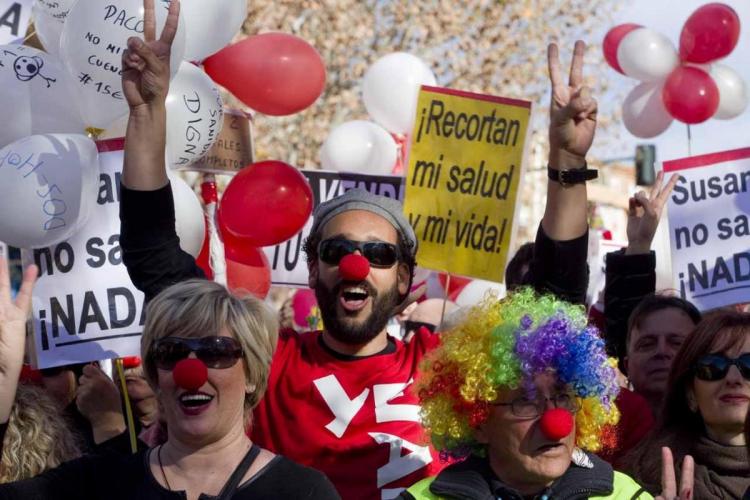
pixel 713 367
pixel 378 253
pixel 214 351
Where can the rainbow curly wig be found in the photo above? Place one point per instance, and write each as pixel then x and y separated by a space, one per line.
pixel 503 344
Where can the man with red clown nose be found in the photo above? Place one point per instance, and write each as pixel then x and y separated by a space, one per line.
pixel 520 389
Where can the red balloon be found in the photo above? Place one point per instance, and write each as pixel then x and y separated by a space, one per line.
pixel 556 423
pixel 240 250
pixel 273 73
pixel 690 95
pixel 612 41
pixel 254 276
pixel 710 33
pixel 266 203
pixel 302 303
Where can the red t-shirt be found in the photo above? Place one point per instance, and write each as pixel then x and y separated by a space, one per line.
pixel 356 420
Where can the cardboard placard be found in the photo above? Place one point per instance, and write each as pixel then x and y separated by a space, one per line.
pixel 233 149
pixel 14 19
pixel 709 228
pixel 464 168
pixel 85 307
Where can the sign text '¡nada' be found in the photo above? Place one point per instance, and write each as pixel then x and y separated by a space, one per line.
pixel 471 127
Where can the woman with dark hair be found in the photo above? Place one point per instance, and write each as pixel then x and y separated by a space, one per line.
pixel 704 410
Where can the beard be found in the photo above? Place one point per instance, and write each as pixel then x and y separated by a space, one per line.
pixel 348 330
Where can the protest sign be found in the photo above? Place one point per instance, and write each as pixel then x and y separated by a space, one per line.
pixel 463 177
pixel 287 260
pixel 233 149
pixel 14 19
pixel 85 307
pixel 709 228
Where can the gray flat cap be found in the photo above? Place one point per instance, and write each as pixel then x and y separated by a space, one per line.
pixel 359 199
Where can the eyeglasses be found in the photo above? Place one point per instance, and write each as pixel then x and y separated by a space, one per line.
pixel 379 253
pixel 531 408
pixel 214 351
pixel 713 367
pixel 413 326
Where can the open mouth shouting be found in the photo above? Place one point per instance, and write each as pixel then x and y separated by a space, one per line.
pixel 195 403
pixel 354 297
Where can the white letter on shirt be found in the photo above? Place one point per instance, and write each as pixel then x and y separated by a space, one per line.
pixel 343 408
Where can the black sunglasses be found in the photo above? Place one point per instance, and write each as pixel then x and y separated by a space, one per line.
pixel 713 367
pixel 214 351
pixel 378 253
pixel 413 326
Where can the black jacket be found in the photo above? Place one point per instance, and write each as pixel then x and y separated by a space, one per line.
pixel 629 278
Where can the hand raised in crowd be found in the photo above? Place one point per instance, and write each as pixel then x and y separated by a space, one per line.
pixel 644 212
pixel 572 111
pixel 145 75
pixel 13 315
pixel 670 490
pixel 98 399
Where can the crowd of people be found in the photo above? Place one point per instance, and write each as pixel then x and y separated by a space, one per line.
pixel 517 397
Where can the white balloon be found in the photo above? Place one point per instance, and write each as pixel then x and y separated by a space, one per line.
pixel 210 25
pixel 643 111
pixel 647 55
pixel 391 87
pixel 732 92
pixel 190 223
pixel 359 146
pixel 94 37
pixel 195 116
pixel 475 291
pixel 36 95
pixel 48 29
pixel 48 187
pixel 57 9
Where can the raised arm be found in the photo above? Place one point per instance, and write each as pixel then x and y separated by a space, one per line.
pixel 560 250
pixel 145 83
pixel 631 273
pixel 13 315
pixel 151 250
pixel 571 133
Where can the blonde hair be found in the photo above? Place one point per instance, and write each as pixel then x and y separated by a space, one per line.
pixel 197 308
pixel 38 437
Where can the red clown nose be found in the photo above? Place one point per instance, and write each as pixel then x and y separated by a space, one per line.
pixel 190 374
pixel 354 267
pixel 556 423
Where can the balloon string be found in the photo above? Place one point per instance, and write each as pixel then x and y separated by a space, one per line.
pixel 216 247
pixel 690 141
pixel 128 408
pixel 445 300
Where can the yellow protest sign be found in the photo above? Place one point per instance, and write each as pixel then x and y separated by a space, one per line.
pixel 461 186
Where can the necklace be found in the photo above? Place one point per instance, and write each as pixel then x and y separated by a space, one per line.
pixel 161 467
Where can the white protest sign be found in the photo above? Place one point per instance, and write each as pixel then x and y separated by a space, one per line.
pixel 709 228
pixel 85 307
pixel 287 260
pixel 14 19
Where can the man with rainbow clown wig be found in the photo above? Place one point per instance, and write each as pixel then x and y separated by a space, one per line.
pixel 524 391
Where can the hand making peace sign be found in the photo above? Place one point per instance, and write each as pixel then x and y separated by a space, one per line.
pixel 145 76
pixel 572 111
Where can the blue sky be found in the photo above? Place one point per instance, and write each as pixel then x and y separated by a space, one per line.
pixel 668 17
